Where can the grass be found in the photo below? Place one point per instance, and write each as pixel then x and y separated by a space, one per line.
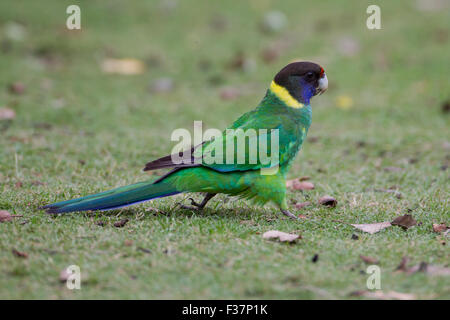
pixel 79 131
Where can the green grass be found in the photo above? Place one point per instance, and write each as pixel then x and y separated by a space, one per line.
pixel 89 131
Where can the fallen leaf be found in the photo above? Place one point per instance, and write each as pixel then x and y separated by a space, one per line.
pixel 439 227
pixel 17 88
pixel 64 275
pixel 18 184
pixel 7 114
pixel 123 66
pixel 304 185
pixel 422 267
pixel 328 201
pixel 378 294
pixel 229 93
pixel 5 216
pixel 128 243
pixel 445 107
pixel 301 205
pixel 296 184
pixel 19 254
pixel 369 260
pixel 406 221
pixel 372 227
pixel 302 216
pixel 269 55
pixel 121 223
pixel 281 236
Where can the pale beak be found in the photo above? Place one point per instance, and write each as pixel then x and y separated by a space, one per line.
pixel 323 85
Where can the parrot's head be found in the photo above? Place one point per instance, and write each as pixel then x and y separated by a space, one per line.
pixel 298 82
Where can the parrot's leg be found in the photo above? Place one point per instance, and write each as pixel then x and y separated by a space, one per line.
pixel 289 214
pixel 199 206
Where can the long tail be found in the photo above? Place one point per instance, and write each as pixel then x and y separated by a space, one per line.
pixel 116 198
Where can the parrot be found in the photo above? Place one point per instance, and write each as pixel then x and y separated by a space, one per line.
pixel 283 116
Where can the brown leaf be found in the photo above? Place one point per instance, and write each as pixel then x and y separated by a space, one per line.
pixel 7 114
pixel 229 93
pixel 121 223
pixel 369 260
pixel 301 205
pixel 439 227
pixel 372 227
pixel 406 221
pixel 19 254
pixel 422 267
pixel 445 107
pixel 328 201
pixel 304 185
pixel 281 236
pixel 128 243
pixel 378 294
pixel 64 275
pixel 296 184
pixel 123 66
pixel 17 88
pixel 18 184
pixel 269 55
pixel 5 216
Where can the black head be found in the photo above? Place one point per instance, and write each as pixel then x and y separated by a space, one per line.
pixel 302 80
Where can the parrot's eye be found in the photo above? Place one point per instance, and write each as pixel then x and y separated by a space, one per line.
pixel 309 76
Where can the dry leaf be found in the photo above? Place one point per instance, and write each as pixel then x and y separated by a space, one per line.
pixel 304 185
pixel 439 227
pixel 372 227
pixel 229 93
pixel 128 243
pixel 406 221
pixel 123 66
pixel 378 294
pixel 19 254
pixel 64 275
pixel 369 260
pixel 301 205
pixel 282 236
pixel 328 201
pixel 17 88
pixel 5 216
pixel 7 114
pixel 121 223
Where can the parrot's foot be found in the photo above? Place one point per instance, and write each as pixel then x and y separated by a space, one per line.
pixel 198 206
pixel 289 214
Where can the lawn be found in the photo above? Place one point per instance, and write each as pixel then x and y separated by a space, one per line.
pixel 78 130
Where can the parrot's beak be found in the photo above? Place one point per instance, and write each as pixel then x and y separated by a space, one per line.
pixel 323 85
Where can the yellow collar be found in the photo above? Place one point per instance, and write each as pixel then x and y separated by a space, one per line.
pixel 285 96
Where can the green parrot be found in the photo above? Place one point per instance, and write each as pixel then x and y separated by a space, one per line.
pixel 283 117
